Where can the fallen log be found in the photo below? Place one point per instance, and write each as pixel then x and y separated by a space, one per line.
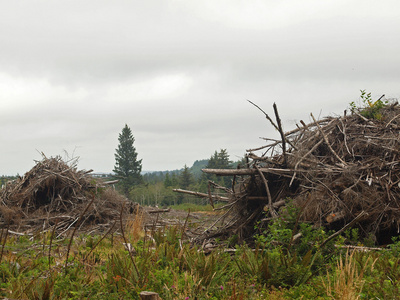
pixel 233 172
pixel 202 195
pixel 157 211
pixel 230 172
pixel 149 296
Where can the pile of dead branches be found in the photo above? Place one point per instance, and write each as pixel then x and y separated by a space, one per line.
pixel 55 193
pixel 334 169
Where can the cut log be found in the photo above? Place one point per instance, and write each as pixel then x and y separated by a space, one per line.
pixel 201 195
pixel 149 296
pixel 230 172
pixel 157 211
pixel 110 182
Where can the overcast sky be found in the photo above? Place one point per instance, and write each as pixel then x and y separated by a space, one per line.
pixel 179 73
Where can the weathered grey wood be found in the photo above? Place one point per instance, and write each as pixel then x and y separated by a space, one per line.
pixel 230 172
pixel 201 195
pixel 149 296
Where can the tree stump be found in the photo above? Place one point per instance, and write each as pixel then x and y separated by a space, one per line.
pixel 149 296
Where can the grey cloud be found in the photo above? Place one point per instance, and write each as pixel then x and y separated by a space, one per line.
pixel 72 73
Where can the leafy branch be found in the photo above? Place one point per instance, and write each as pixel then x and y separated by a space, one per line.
pixel 367 107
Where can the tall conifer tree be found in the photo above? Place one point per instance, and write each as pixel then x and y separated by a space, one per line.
pixel 220 160
pixel 186 178
pixel 127 167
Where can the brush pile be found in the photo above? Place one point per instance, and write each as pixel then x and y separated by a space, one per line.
pixel 335 169
pixel 54 193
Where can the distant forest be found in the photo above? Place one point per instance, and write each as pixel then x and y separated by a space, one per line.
pixel 157 187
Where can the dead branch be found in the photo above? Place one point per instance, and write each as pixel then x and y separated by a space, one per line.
pixel 278 120
pixel 361 214
pixel 201 195
pixel 271 208
pixel 157 211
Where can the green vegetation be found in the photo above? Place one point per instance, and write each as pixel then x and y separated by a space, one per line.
pixel 279 267
pixel 157 186
pixel 219 160
pixel 288 259
pixel 4 179
pixel 367 107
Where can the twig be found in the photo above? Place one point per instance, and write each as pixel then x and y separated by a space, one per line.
pixel 380 98
pixel 218 219
pixel 344 136
pixel 185 224
pixel 227 205
pixel 360 248
pixel 51 241
pixel 362 117
pixel 396 116
pixel 272 122
pixel 307 126
pixel 19 233
pixel 3 243
pixel 302 158
pixel 278 120
pixel 209 194
pixel 266 115
pixel 73 232
pixel 220 187
pixel 69 226
pixel 271 209
pixel 328 144
pixel 360 215
pixel 258 148
pixel 98 242
pixel 126 241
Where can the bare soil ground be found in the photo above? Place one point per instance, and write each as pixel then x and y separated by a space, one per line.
pixel 197 221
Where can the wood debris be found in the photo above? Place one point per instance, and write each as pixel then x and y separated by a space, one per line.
pixel 55 193
pixel 334 169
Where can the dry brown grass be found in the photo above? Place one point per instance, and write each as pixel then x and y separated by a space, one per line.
pixel 134 227
pixel 347 282
pixel 10 215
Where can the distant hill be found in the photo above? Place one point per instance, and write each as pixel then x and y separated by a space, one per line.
pixel 156 176
pixel 197 166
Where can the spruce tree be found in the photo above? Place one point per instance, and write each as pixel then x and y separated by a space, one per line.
pixel 223 160
pixel 127 167
pixel 167 181
pixel 186 178
pixel 220 160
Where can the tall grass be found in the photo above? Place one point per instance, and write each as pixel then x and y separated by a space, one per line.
pixel 347 280
pixel 101 267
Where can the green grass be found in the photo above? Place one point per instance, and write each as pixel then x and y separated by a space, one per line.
pixel 100 267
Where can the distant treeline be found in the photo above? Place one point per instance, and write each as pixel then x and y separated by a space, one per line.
pixel 4 179
pixel 160 176
pixel 157 187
